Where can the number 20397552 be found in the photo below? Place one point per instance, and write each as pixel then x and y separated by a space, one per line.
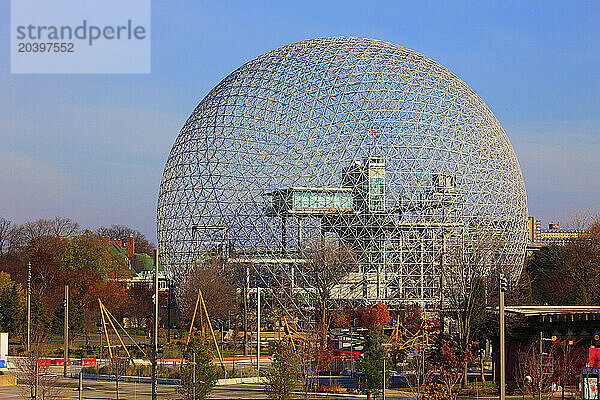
pixel 46 47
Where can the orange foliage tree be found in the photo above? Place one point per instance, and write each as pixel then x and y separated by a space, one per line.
pixel 373 316
pixel 448 362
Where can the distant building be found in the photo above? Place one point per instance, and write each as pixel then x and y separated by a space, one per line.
pixel 539 237
pixel 141 265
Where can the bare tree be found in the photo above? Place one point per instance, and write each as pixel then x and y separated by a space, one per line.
pixel 64 227
pixel 417 370
pixel 11 237
pixel 58 227
pixel 470 264
pixel 572 360
pixel 582 264
pixel 38 228
pixel 38 381
pixel 118 368
pixel 328 262
pixel 5 228
pixel 535 370
pixel 218 294
pixel 15 240
pixel 581 219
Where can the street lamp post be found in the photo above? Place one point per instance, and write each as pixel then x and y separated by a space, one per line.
pixel 194 377
pixel 66 334
pixel 351 352
pixel 155 330
pixel 384 357
pixel 503 287
pixel 170 288
pixel 28 305
pixel 540 367
pixel 258 331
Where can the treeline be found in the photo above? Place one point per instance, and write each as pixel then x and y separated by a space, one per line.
pixel 569 274
pixel 61 252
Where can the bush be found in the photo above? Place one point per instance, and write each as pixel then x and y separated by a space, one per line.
pixel 282 377
pixel 206 372
pixel 371 365
pixel 334 389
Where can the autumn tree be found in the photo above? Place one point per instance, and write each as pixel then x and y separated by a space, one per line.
pixel 342 318
pixel 375 316
pixel 122 232
pixel 87 263
pixel 92 273
pixel 322 354
pixel 141 304
pixel 60 253
pixel 115 297
pixel 447 361
pixel 45 253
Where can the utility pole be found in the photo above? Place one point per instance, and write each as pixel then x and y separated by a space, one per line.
pixel 503 287
pixel 222 338
pixel 540 366
pixel 258 331
pixel 194 377
pixel 37 378
pixel 384 357
pixel 66 335
pixel 351 352
pixel 169 286
pixel 155 329
pixel 28 305
pixel 246 285
pixel 80 385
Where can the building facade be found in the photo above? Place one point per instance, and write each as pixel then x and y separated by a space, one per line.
pixel 541 237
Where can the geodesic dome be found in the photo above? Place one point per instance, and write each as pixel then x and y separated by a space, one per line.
pixel 367 143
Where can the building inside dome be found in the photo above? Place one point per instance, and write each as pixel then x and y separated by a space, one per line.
pixel 368 146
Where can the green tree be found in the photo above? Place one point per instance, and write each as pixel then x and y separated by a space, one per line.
pixel 283 376
pixel 87 259
pixel 371 365
pixel 76 319
pixel 12 304
pixel 206 373
pixel 40 320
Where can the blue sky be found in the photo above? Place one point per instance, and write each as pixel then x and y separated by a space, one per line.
pixel 93 147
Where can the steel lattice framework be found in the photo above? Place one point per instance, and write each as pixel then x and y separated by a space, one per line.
pixel 365 142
